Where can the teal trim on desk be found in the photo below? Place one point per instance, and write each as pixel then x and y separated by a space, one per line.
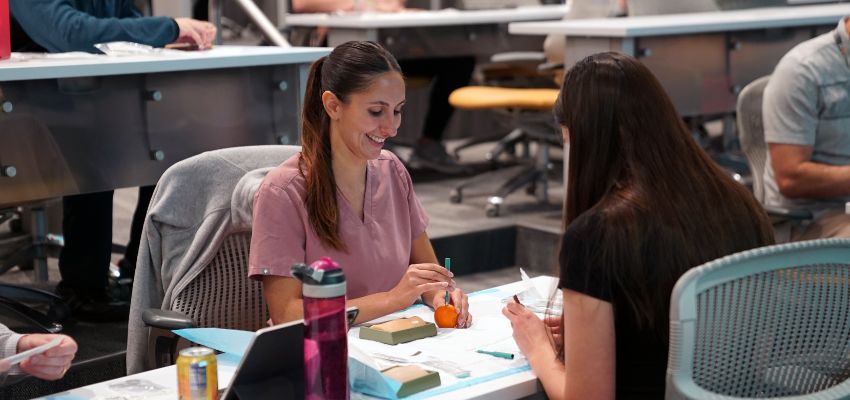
pixel 465 383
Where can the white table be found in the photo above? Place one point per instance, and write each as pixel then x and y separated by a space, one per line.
pixel 78 123
pixel 418 34
pixel 702 59
pixel 518 385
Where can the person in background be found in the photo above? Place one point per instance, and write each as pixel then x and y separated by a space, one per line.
pixel 644 204
pixel 77 25
pixel 343 196
pixel 446 73
pixel 806 114
pixel 50 365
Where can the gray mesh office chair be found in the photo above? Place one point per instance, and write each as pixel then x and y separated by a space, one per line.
pixel 765 323
pixel 193 263
pixel 751 137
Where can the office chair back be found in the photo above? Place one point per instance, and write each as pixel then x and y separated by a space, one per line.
pixel 751 131
pixel 222 295
pixel 193 258
pixel 765 323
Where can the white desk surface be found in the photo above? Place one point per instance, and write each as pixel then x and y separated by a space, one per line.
pixel 692 23
pixel 29 66
pixel 422 18
pixel 513 386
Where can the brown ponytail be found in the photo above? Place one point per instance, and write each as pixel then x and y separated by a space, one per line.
pixel 350 67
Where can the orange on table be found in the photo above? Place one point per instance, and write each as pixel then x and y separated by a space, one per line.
pixel 446 316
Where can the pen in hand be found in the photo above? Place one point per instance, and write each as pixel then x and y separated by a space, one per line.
pixel 516 299
pixel 448 263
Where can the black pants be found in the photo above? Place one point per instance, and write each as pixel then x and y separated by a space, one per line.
pixel 448 73
pixel 87 227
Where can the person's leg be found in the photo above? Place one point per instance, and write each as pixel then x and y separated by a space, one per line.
pixel 87 229
pixel 830 224
pixel 128 264
pixel 448 74
pixel 84 259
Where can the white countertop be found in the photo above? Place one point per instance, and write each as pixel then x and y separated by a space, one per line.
pixel 28 66
pixel 692 23
pixel 422 18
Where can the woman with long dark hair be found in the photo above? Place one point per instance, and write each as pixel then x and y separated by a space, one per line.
pixel 345 197
pixel 644 204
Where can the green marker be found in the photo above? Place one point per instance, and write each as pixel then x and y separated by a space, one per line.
pixel 507 356
pixel 448 263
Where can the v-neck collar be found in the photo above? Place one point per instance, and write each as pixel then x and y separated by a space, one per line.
pixel 345 206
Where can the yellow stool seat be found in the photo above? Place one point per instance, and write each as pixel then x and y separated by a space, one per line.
pixel 486 97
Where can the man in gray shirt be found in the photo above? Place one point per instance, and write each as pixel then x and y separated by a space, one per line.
pixel 807 129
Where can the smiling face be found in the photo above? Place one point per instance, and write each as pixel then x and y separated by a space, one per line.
pixel 366 119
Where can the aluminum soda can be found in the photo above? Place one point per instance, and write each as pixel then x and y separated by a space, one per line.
pixel 197 374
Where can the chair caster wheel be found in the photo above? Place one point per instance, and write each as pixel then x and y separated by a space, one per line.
pixel 492 210
pixel 531 189
pixel 456 196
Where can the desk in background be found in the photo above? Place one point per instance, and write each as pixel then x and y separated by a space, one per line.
pixel 78 123
pixel 513 386
pixel 428 34
pixel 702 59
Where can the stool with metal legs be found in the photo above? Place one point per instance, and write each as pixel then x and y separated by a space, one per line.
pixel 530 113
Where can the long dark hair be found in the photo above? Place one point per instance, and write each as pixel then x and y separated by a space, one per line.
pixel 349 68
pixel 633 162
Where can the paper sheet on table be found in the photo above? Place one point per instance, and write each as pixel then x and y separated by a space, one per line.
pixel 490 331
pixel 231 341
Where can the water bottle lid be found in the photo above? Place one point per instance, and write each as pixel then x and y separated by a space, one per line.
pixel 324 278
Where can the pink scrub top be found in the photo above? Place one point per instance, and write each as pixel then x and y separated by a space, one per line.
pixel 378 246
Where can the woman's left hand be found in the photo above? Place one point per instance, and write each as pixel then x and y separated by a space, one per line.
pixel 458 299
pixel 529 330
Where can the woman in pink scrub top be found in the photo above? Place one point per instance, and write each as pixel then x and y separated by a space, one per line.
pixel 345 197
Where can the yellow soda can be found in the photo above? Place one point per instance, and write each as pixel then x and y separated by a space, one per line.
pixel 197 374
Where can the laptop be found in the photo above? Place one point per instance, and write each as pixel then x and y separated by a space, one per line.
pixel 273 365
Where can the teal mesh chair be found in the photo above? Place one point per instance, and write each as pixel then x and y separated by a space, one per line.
pixel 766 323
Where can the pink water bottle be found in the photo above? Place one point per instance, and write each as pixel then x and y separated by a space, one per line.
pixel 325 330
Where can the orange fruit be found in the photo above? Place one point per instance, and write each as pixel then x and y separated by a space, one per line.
pixel 446 316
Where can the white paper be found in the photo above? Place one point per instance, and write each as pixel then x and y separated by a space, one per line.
pixel 18 358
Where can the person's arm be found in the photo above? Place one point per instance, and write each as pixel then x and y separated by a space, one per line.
pixel 791 117
pixel 322 6
pixel 283 294
pixel 799 177
pixel 329 6
pixel 589 347
pixel 588 339
pixel 58 26
pixel 8 347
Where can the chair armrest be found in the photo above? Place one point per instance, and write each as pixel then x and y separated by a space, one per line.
pixel 164 319
pixel 518 56
pixel 786 213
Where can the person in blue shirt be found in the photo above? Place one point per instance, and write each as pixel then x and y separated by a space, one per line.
pixel 77 25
